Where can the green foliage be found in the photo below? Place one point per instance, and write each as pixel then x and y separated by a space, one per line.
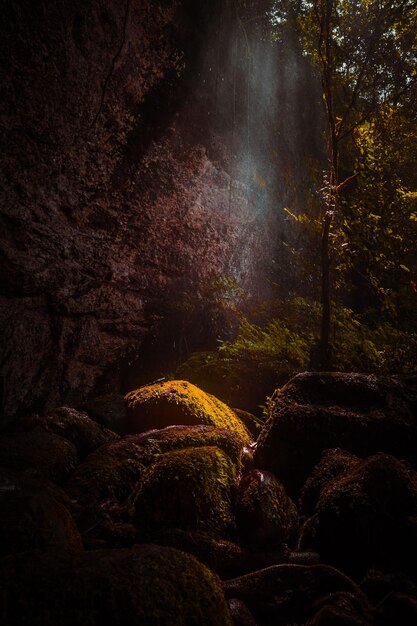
pixel 275 340
pixel 379 231
pixel 364 53
pixel 283 343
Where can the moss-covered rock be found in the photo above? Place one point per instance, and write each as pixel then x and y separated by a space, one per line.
pixel 113 470
pixel 253 424
pixel 367 516
pixel 265 516
pixel 361 393
pixel 33 519
pixel 288 594
pixel 140 586
pixel 179 402
pixel 30 480
pixel 84 433
pixel 109 410
pixel 110 472
pixel 179 437
pixel 332 463
pixel 50 455
pixel 344 609
pixel 224 557
pixel 363 414
pixel 190 489
pixel 106 532
pixel 240 613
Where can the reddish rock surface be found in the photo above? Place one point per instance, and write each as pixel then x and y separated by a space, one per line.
pixel 115 192
pixel 138 164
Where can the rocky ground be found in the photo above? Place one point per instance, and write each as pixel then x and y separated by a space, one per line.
pixel 205 520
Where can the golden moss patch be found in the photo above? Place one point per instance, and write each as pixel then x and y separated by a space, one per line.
pixel 179 402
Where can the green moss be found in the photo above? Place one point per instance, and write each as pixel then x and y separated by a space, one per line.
pixel 190 489
pixel 180 402
pixel 113 470
pixel 110 472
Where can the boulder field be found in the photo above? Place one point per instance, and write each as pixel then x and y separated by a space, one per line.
pixel 183 519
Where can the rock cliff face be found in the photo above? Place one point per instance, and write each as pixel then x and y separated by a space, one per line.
pixel 119 196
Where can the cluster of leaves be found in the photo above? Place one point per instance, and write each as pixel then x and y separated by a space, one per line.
pixel 380 221
pixel 365 54
pixel 284 332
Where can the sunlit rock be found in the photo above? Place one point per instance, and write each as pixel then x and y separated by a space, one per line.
pixel 179 402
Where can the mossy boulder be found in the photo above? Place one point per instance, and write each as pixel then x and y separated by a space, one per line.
pixel 179 402
pixel 30 480
pixel 288 594
pixel 253 424
pixel 240 613
pixel 224 557
pixel 265 516
pixel 363 414
pixel 344 609
pixel 361 393
pixel 367 516
pixel 190 489
pixel 179 437
pixel 113 470
pixel 33 519
pixel 141 586
pixel 109 410
pixel 332 463
pixel 50 455
pixel 84 433
pixel 110 472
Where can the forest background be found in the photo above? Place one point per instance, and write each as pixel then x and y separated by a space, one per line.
pixel 345 297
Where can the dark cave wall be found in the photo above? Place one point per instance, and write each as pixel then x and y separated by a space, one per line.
pixel 118 156
pixel 102 175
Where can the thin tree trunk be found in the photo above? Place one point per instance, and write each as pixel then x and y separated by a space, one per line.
pixel 331 206
pixel 324 353
pixel 321 356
